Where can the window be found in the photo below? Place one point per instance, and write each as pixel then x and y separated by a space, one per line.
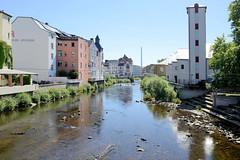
pixel 8 19
pixel 65 64
pixel 196 43
pixel 85 48
pixel 51 36
pixel 182 66
pixel 196 8
pixel 52 67
pixel 161 69
pixel 8 35
pixel 65 44
pixel 59 63
pixel 73 64
pixel 51 56
pixel 197 75
pixel 196 26
pixel 65 54
pixel 59 53
pixel 80 54
pixel 97 53
pixel 73 44
pixel 51 45
pixel 80 64
pixel 81 45
pixel 176 68
pixel 197 59
pixel 73 54
pixel 85 56
pixel 85 65
pixel 59 43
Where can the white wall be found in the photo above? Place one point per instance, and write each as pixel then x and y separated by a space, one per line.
pixel 32 48
pixel 183 74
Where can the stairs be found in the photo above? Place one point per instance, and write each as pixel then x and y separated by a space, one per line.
pixel 230 114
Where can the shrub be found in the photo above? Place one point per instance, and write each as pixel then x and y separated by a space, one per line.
pixel 10 103
pixel 92 88
pixel 146 75
pixel 96 86
pixel 147 96
pixel 158 88
pixel 44 95
pixel 131 78
pixel 62 73
pixel 101 86
pixel 36 98
pixel 199 107
pixel 55 93
pixel 65 93
pixel 24 100
pixel 2 106
pixel 87 85
pixel 72 91
pixel 27 79
pixel 83 89
pixel 73 74
pixel 176 100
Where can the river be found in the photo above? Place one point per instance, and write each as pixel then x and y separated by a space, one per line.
pixel 107 125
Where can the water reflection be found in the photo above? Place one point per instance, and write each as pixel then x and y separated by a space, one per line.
pixel 124 93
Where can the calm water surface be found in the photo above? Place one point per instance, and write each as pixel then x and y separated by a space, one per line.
pixel 110 126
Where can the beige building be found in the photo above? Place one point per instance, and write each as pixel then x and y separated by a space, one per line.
pixel 5 27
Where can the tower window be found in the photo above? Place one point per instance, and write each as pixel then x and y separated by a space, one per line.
pixel 196 42
pixel 197 59
pixel 72 44
pixel 196 26
pixel 182 66
pixel 197 75
pixel 196 8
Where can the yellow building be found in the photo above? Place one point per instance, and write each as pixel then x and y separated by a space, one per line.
pixel 5 28
pixel 160 69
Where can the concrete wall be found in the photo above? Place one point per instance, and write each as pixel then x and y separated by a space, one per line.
pixel 18 89
pixel 190 93
pixel 183 74
pixel 227 100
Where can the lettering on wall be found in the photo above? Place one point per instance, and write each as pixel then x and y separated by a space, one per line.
pixel 23 40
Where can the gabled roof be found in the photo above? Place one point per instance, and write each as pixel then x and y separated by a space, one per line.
pixel 182 53
pixel 5 14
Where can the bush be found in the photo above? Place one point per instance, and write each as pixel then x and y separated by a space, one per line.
pixel 62 73
pixel 24 100
pixel 158 88
pixel 92 88
pixel 131 78
pixel 83 89
pixel 36 98
pixel 65 93
pixel 73 74
pixel 27 79
pixel 87 85
pixel 147 96
pixel 10 103
pixel 72 90
pixel 44 95
pixel 101 86
pixel 2 106
pixel 55 93
pixel 176 100
pixel 96 86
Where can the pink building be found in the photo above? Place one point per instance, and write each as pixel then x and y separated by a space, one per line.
pixel 72 54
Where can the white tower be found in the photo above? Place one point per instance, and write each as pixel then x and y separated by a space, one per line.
pixel 197 43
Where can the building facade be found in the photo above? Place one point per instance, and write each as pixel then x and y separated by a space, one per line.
pixel 34 47
pixel 125 66
pixel 137 70
pixel 197 43
pixel 72 54
pixel 5 27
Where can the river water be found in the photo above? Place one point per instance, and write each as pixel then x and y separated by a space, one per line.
pixel 107 125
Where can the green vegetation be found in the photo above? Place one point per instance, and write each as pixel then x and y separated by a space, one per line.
pixel 159 89
pixel 62 73
pixel 146 75
pixel 110 81
pixel 6 57
pixel 24 100
pixel 43 96
pixel 161 60
pixel 199 107
pixel 73 74
pixel 226 58
pixel 27 79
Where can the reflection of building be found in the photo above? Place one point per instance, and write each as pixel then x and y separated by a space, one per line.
pixel 137 70
pixel 5 27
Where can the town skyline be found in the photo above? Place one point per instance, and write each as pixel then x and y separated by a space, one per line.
pixel 124 29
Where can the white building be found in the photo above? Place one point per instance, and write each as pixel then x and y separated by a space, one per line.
pixel 137 70
pixel 5 27
pixel 197 43
pixel 34 47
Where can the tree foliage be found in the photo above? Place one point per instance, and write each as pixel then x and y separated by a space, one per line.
pixel 6 57
pixel 73 74
pixel 62 73
pixel 226 55
pixel 161 60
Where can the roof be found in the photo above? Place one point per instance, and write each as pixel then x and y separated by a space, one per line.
pixel 11 71
pixel 5 13
pixel 183 53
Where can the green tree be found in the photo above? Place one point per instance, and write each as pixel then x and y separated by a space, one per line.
pixel 62 73
pixel 73 74
pixel 161 60
pixel 234 18
pixel 6 57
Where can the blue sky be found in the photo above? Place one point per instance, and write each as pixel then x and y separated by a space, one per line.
pixel 159 26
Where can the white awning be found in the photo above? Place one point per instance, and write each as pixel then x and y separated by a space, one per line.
pixel 11 71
